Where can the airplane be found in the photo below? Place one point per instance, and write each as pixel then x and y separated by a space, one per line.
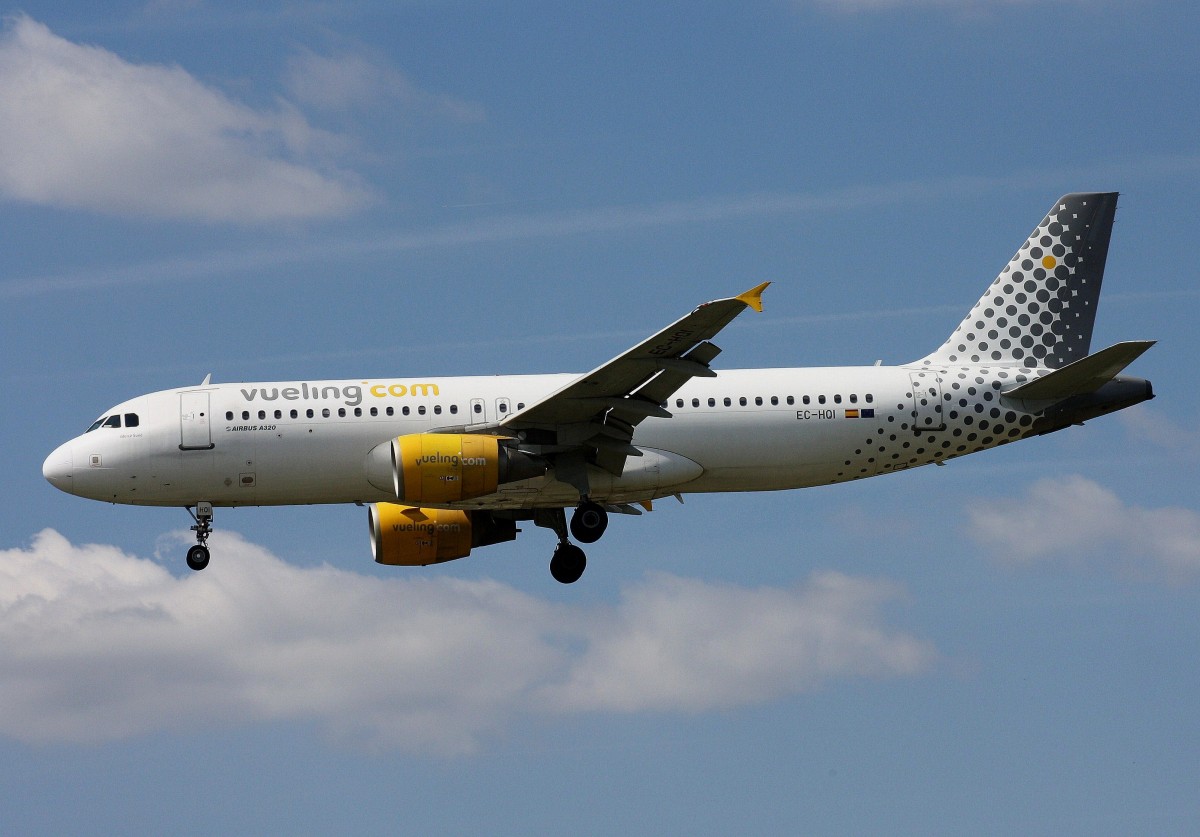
pixel 449 464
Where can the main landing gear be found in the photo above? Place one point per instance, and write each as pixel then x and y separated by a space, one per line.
pixel 587 525
pixel 197 556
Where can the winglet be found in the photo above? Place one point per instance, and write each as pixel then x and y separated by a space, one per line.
pixel 753 297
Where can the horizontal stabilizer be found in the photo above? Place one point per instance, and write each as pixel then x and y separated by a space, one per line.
pixel 1082 376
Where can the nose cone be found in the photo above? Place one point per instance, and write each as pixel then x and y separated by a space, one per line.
pixel 58 469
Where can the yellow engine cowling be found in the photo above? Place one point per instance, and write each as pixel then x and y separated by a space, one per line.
pixel 444 468
pixel 406 536
pixel 410 537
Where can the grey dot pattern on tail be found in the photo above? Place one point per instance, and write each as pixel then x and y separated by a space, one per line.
pixel 1039 312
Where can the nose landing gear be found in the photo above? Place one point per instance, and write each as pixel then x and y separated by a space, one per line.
pixel 197 556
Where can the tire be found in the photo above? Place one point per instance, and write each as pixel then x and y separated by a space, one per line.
pixel 197 557
pixel 589 522
pixel 568 563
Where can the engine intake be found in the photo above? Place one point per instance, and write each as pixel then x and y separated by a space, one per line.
pixel 406 536
pixel 438 468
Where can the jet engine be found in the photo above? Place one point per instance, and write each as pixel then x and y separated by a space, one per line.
pixel 406 536
pixel 439 468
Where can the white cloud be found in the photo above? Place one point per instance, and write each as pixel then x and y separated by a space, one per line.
pixel 96 645
pixel 1073 519
pixel 359 81
pixel 82 128
pixel 677 643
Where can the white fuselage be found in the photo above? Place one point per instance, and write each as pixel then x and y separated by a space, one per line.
pixel 744 430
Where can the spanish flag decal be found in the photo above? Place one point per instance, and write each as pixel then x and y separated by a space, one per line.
pixel 867 413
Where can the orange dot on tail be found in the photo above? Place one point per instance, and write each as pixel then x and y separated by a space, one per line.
pixel 1049 262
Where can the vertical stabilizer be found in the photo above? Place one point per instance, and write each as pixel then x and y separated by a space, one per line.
pixel 1039 312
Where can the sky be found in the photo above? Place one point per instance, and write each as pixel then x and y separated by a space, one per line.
pixel 308 190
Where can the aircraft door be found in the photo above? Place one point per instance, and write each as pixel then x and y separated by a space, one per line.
pixel 927 401
pixel 195 426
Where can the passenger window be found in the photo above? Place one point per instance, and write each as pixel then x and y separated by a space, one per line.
pixel 358 412
pixel 478 408
pixel 820 399
pixel 374 411
pixel 695 402
pixel 774 400
pixel 728 402
pixel 112 421
pixel 758 401
pixel 870 398
pixel 309 412
pixel 837 399
pixel 503 407
pixel 404 410
pixel 437 409
pixel 791 399
pixel 742 401
pixel 679 403
pixel 391 411
pixel 229 416
pixel 262 414
pixel 245 415
pixel 853 399
pixel 421 410
pixel 325 413
pixel 278 414
pixel 341 412
pixel 712 402
pixel 294 414
pixel 520 405
pixel 453 409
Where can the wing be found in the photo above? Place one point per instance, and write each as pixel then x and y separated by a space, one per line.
pixel 592 419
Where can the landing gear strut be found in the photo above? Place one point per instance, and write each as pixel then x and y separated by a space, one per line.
pixel 197 556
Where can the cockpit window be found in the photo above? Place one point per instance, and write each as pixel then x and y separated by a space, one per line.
pixel 131 420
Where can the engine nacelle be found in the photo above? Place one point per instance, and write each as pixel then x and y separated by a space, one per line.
pixel 406 536
pixel 437 468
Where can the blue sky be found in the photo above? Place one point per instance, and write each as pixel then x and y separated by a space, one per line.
pixel 349 190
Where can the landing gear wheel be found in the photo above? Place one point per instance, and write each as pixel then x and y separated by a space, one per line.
pixel 568 563
pixel 589 522
pixel 197 557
